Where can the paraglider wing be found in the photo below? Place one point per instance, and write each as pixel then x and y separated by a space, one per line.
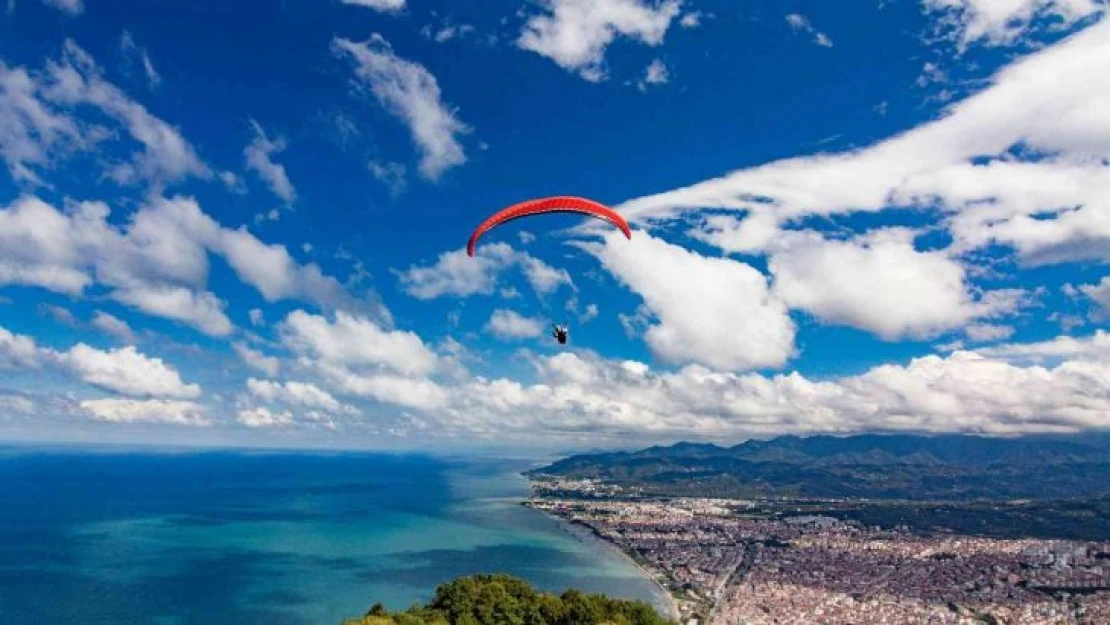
pixel 559 204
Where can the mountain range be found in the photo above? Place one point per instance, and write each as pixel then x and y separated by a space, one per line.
pixel 873 466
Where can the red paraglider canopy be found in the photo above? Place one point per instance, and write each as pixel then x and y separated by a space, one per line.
pixel 558 204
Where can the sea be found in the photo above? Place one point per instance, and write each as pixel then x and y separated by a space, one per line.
pixel 172 537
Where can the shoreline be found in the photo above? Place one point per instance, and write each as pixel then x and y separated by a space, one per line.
pixel 586 536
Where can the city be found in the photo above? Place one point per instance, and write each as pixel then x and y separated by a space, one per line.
pixel 724 562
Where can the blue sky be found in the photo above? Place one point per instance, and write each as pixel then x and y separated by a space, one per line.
pixel 243 223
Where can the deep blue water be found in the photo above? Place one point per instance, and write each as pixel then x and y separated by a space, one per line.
pixel 116 538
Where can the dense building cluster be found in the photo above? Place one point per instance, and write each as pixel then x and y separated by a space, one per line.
pixel 724 565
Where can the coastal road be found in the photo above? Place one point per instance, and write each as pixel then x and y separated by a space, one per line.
pixel 718 614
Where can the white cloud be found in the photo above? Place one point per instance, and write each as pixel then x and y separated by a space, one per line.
pixel 714 311
pixel 1046 100
pixel 165 156
pixel 392 175
pixel 1094 348
pixel 17 351
pixel 71 7
pixel 963 392
pixel 164 411
pixel 409 91
pixel 31 131
pixel 407 392
pixel 972 166
pixel 543 278
pixel 259 154
pixel 125 370
pixel 15 403
pixel 113 325
pixel 457 274
pixel 354 341
pixel 991 22
pixel 447 31
pixel 575 33
pixel 133 53
pixel 256 359
pixel 301 394
pixel 58 314
pixel 655 74
pixel 800 23
pixel 256 317
pixel 1099 293
pixel 202 310
pixel 879 283
pixel 157 263
pixel 692 19
pixel 988 332
pixel 511 325
pixel 260 417
pixel 387 6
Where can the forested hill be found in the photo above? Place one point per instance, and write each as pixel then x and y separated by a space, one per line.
pixel 869 466
pixel 485 599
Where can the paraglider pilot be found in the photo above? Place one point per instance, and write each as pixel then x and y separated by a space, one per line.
pixel 560 333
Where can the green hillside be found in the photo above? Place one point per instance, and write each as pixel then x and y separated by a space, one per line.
pixel 504 600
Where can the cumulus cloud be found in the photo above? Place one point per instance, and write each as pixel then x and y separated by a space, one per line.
pixel 301 394
pixel 157 263
pixel 988 332
pixel 417 393
pixel 879 283
pixel 113 325
pixel 354 341
pixel 261 417
pixel 511 325
pixel 125 370
pixel 256 359
pixel 1099 293
pixel 990 22
pixel 1094 348
pixel 456 274
pixel 801 24
pixel 576 33
pixel 655 74
pixel 1017 169
pixel 259 154
pixel 17 351
pixel 962 392
pixel 409 91
pixel 165 411
pixel 714 311
pixel 385 6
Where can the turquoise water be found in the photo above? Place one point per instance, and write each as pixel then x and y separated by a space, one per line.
pixel 275 538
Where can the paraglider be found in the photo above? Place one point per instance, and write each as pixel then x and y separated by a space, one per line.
pixel 560 332
pixel 557 204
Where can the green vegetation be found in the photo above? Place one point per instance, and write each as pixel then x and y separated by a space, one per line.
pixel 892 467
pixel 504 600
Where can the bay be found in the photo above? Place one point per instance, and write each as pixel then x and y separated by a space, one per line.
pixel 171 537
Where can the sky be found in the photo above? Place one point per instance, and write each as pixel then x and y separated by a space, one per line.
pixel 244 223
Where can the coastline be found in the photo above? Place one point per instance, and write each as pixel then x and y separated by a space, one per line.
pixel 586 536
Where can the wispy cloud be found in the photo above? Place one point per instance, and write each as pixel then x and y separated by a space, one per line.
pixel 800 23
pixel 409 91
